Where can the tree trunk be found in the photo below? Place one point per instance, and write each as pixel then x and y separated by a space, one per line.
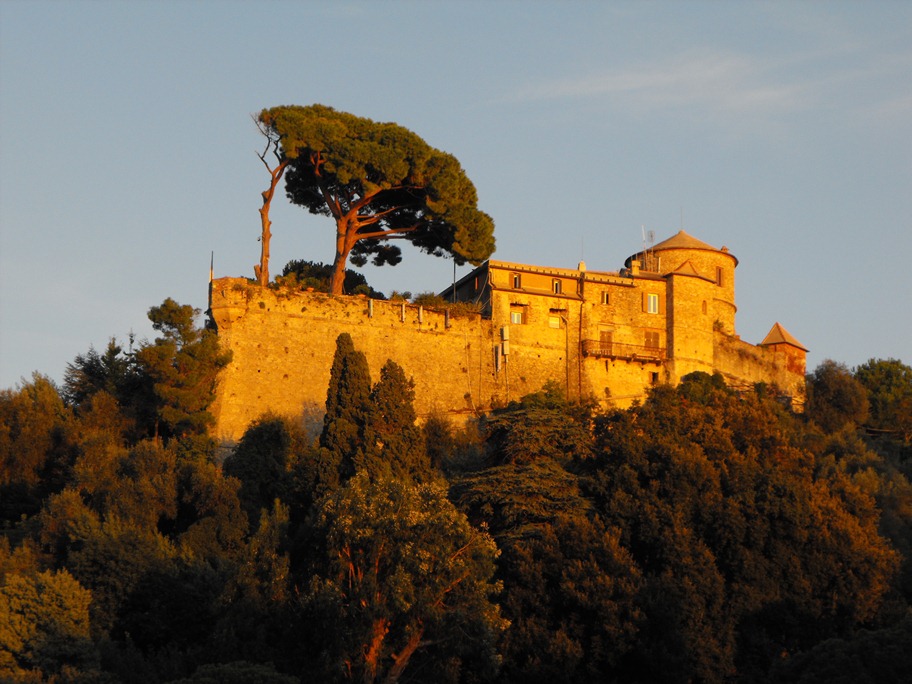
pixel 337 280
pixel 402 658
pixel 344 244
pixel 372 653
pixel 262 269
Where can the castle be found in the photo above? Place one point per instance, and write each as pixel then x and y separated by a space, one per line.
pixel 604 335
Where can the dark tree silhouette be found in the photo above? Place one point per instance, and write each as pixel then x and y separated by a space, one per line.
pixel 378 182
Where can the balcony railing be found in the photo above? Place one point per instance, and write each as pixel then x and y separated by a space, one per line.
pixel 615 350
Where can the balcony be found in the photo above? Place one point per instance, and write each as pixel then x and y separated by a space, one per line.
pixel 628 352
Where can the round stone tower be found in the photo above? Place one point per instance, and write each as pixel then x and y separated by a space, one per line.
pixel 686 255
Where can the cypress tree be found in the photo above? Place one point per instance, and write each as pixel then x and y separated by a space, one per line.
pixel 394 443
pixel 347 408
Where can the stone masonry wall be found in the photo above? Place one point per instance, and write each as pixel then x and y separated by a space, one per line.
pixel 283 346
pixel 743 364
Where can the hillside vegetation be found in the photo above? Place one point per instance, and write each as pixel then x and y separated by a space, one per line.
pixel 703 536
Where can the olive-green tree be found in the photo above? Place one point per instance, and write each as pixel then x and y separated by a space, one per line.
pixel 570 588
pixel 264 461
pixel 378 182
pixel 542 425
pixel 571 595
pixel 835 398
pixel 211 523
pixel 406 584
pixel 111 371
pixel 36 446
pixel 889 386
pixel 44 627
pixel 746 551
pixel 182 366
pixel 109 557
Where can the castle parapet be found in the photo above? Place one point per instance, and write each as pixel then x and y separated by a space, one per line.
pixel 283 342
pixel 228 300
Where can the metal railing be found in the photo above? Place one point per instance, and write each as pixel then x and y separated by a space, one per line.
pixel 616 350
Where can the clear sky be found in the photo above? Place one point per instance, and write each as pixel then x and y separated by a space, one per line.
pixel 782 130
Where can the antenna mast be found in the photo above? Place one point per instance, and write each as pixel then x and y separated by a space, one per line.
pixel 649 261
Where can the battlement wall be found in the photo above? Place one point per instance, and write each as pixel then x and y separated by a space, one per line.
pixel 744 364
pixel 283 345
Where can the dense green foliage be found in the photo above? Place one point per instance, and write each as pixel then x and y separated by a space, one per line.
pixel 182 365
pixel 378 182
pixel 889 387
pixel 702 536
pixel 835 397
pixel 408 577
pixel 309 274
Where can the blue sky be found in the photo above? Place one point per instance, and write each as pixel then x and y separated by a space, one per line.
pixel 782 130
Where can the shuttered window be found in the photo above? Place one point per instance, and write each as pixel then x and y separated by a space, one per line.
pixel 653 303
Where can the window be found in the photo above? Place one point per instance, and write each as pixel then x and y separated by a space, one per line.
pixel 606 298
pixel 517 281
pixel 654 378
pixel 704 307
pixel 652 340
pixel 518 314
pixel 652 303
pixel 556 286
pixel 719 275
pixel 606 338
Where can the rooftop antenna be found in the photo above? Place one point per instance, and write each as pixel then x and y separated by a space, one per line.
pixel 648 239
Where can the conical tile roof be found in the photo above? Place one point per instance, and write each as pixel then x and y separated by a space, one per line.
pixel 779 335
pixel 682 240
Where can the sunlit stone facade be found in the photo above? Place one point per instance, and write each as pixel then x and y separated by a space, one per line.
pixel 608 335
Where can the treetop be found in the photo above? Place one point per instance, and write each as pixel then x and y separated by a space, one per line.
pixel 382 180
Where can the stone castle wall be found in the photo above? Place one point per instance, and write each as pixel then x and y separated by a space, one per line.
pixel 743 364
pixel 283 344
